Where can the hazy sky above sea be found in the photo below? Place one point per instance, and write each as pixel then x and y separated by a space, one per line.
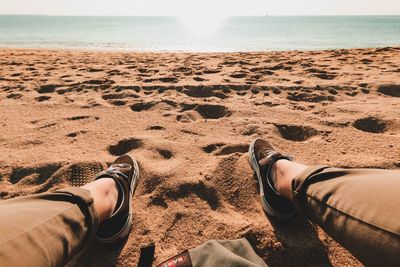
pixel 200 7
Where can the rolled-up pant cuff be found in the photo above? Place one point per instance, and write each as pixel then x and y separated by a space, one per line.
pixel 85 201
pixel 300 184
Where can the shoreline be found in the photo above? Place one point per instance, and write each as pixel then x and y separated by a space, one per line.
pixel 113 50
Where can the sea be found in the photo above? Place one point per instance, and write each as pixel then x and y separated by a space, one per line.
pixel 230 34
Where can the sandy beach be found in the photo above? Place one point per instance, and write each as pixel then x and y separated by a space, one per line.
pixel 188 118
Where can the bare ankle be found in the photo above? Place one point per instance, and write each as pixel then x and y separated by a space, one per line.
pixel 285 172
pixel 105 195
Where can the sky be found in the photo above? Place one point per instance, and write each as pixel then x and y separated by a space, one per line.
pixel 200 7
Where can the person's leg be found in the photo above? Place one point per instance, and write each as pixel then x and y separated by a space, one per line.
pixel 359 208
pixel 49 229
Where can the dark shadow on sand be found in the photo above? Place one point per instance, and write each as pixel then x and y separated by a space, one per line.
pixel 97 254
pixel 300 245
pixel 300 238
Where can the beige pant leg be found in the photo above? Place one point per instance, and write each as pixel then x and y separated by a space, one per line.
pixel 359 208
pixel 46 229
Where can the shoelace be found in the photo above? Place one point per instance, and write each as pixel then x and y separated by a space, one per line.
pixel 115 172
pixel 267 158
pixel 268 168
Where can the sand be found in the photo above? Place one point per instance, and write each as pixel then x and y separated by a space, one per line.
pixel 188 119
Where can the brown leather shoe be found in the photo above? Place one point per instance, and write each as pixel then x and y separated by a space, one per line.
pixel 273 203
pixel 125 172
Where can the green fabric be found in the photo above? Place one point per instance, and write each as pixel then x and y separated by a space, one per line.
pixel 229 253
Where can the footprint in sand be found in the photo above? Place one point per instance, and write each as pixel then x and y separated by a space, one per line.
pixel 211 71
pixel 199 79
pixel 241 93
pixel 149 80
pixel 156 128
pixel 14 96
pixel 165 153
pixel 47 126
pixel 33 175
pixel 261 71
pixel 141 106
pixel 390 90
pixel 209 111
pixel 238 75
pixel 17 74
pixel 198 91
pixel 124 146
pixel 221 149
pixel 325 76
pixel 309 97
pixel 118 103
pixel 47 88
pixel 203 92
pixel 168 79
pixel 371 125
pixel 82 117
pixel 94 70
pixel 212 147
pixel 42 98
pixel 75 134
pixel 295 132
pixel 119 96
pixel 124 88
pixel 185 70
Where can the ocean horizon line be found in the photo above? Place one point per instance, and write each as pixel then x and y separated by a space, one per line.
pixel 119 50
pixel 225 16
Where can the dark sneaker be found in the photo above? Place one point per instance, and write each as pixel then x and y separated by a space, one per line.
pixel 273 204
pixel 125 172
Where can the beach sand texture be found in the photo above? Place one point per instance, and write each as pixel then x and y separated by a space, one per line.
pixel 189 118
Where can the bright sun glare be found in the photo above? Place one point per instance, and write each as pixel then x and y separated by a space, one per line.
pixel 201 26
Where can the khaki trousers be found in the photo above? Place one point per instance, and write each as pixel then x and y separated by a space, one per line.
pixel 46 229
pixel 359 208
